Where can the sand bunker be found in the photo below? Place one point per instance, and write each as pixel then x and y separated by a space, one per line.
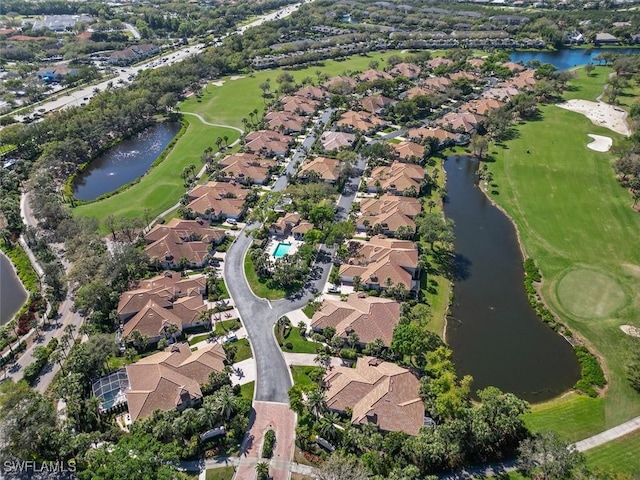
pixel 601 114
pixel 236 77
pixel 600 143
pixel 630 330
pixel 217 83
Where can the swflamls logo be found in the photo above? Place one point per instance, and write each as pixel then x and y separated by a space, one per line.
pixel 54 466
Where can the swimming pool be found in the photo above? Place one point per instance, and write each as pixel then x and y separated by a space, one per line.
pixel 281 250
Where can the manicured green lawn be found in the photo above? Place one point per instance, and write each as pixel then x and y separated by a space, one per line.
pixel 246 390
pixel 301 375
pixel 300 344
pixel 223 473
pixel 311 308
pixel 573 416
pixel 587 87
pixel 621 455
pixel 573 215
pixel 244 350
pixel 198 338
pixel 162 186
pixel 258 287
pixel 227 326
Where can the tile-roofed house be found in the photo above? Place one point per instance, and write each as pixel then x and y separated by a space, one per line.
pixel 163 290
pixel 504 94
pixel 362 121
pixel 476 62
pixel 482 106
pixel 409 150
pixel 375 103
pixel 377 392
pixel 409 70
pixel 299 230
pixel 247 168
pixel 460 121
pixel 152 320
pixel 336 140
pixel 397 178
pixel 268 142
pixel 382 261
pixel 171 379
pixel 438 133
pixel 390 212
pixel 340 84
pixel 466 75
pixel 370 318
pixel 439 62
pixel 313 92
pixel 170 249
pixel 328 169
pixel 219 199
pixel 188 239
pixel 438 84
pixel 299 105
pixel 286 122
pixel 514 67
pixel 372 75
pixel 418 91
pixel 524 81
pixel 284 224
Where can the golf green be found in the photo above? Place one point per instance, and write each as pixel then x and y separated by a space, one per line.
pixel 589 293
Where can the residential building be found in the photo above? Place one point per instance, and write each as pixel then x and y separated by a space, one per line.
pixel 464 122
pixel 408 70
pixel 443 136
pixel 370 318
pixel 326 169
pixel 218 200
pixel 387 214
pixel 335 140
pixel 268 142
pixel 55 74
pixel 398 178
pixel 375 103
pixel 171 379
pixel 379 393
pixel 372 75
pixel 285 122
pixel 409 151
pixel 381 262
pixel 299 105
pixel 362 121
pixel 247 168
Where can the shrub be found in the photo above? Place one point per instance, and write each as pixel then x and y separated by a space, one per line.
pixel 269 443
pixel 591 374
pixel 288 346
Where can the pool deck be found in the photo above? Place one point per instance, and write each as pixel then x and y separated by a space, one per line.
pixel 273 243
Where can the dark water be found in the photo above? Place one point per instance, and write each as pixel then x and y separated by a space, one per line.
pixel 493 331
pixel 569 57
pixel 125 162
pixel 12 293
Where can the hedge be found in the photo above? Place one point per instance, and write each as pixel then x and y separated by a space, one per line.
pixel 591 374
pixel 269 443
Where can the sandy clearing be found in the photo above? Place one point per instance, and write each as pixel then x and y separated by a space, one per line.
pixel 600 113
pixel 600 143
pixel 630 330
pixel 236 77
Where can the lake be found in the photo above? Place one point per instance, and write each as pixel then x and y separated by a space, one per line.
pixel 12 293
pixel 568 57
pixel 125 162
pixel 494 333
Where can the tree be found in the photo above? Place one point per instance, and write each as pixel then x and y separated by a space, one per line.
pixel 316 402
pixel 589 68
pixel 433 227
pixel 479 146
pixel 414 342
pixel 547 457
pixel 341 467
pixel 225 402
pixel 262 470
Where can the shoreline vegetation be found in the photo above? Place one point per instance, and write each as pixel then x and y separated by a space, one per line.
pixel 19 261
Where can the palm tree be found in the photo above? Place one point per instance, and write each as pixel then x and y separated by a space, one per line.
pixel 316 402
pixel 262 470
pixel 170 331
pixel 225 402
pixel 56 357
pixel 5 236
pixel 328 429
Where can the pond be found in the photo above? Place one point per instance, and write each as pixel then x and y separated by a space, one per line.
pixel 494 333
pixel 125 162
pixel 568 57
pixel 12 293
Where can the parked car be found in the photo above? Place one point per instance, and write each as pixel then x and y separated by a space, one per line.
pixel 333 289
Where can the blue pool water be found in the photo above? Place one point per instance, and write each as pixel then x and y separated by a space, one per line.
pixel 281 250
